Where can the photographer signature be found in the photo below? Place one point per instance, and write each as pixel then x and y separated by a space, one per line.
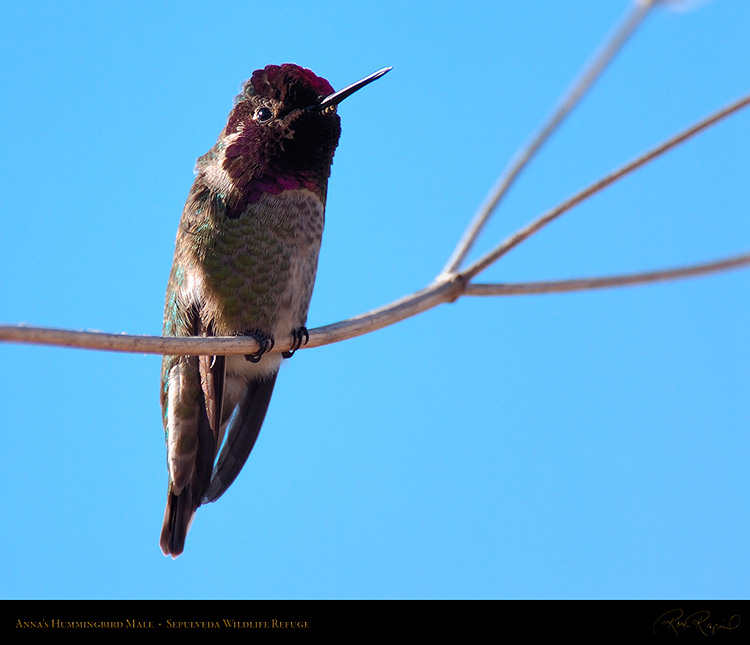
pixel 675 620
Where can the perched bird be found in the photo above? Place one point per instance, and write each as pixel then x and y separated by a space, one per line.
pixel 244 264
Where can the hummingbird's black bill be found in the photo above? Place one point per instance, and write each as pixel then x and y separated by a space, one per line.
pixel 337 97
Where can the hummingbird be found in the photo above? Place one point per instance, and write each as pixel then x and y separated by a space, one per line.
pixel 244 265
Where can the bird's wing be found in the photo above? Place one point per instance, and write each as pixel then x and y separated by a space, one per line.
pixel 191 448
pixel 192 400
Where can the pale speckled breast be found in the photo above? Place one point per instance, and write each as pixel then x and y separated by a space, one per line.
pixel 258 270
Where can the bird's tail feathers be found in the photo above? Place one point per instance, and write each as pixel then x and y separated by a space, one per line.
pixel 178 517
pixel 243 431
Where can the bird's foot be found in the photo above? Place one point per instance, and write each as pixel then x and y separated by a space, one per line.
pixel 301 336
pixel 265 343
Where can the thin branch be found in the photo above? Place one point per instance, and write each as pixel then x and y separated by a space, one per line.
pixel 435 294
pixel 586 284
pixel 439 292
pixel 570 99
pixel 407 307
pixel 135 344
pixel 526 232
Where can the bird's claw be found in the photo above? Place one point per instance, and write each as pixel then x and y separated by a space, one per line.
pixel 299 334
pixel 265 344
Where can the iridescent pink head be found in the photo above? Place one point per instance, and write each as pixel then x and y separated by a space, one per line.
pixel 283 131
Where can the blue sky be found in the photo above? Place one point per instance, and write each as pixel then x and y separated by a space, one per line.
pixel 588 445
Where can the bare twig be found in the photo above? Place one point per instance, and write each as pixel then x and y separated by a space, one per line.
pixel 526 232
pixel 586 284
pixel 570 99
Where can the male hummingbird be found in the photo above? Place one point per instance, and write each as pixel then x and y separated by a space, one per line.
pixel 244 264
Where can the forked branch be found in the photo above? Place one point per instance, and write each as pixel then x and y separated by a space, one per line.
pixel 535 226
pixel 446 288
pixel 591 72
pixel 452 282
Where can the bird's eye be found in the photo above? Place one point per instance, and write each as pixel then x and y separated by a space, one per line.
pixel 263 114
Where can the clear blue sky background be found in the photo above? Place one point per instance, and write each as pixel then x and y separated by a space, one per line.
pixel 590 445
